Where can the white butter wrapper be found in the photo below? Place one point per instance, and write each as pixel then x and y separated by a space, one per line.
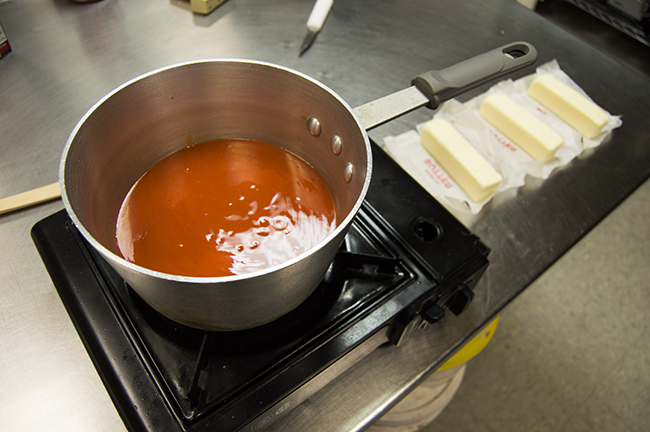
pixel 508 159
pixel 407 151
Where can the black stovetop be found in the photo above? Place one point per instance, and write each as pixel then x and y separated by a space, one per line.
pixel 404 256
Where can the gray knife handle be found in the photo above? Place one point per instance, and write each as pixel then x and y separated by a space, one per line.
pixel 442 85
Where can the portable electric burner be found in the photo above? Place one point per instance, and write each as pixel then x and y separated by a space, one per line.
pixel 404 262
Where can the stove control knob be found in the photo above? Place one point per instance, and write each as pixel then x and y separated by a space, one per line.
pixel 460 300
pixel 433 314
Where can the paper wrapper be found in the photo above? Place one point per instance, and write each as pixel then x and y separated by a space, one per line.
pixel 507 158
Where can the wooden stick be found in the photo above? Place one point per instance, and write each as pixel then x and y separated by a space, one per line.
pixel 29 198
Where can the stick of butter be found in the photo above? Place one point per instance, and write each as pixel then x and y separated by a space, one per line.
pixel 520 126
pixel 576 110
pixel 461 161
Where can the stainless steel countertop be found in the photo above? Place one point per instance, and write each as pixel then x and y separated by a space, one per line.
pixel 66 56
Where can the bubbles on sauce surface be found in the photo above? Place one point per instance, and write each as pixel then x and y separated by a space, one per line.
pixel 224 207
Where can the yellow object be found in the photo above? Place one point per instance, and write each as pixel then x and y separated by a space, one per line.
pixel 520 126
pixel 473 347
pixel 204 6
pixel 459 159
pixel 576 110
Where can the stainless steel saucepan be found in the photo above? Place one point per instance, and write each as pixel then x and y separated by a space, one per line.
pixel 148 118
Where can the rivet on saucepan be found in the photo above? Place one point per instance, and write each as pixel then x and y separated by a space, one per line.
pixel 336 144
pixel 348 172
pixel 314 126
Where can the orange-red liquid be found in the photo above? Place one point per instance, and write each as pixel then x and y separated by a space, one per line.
pixel 224 207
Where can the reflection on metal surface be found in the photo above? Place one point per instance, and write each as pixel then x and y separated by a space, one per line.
pixel 381 110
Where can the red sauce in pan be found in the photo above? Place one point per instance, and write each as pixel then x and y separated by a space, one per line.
pixel 224 207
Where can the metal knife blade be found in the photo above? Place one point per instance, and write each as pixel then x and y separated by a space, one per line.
pixel 306 43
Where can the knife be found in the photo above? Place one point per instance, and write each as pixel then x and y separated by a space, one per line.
pixel 315 23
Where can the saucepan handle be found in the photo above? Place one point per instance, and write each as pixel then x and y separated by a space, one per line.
pixel 446 84
pixel 432 88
